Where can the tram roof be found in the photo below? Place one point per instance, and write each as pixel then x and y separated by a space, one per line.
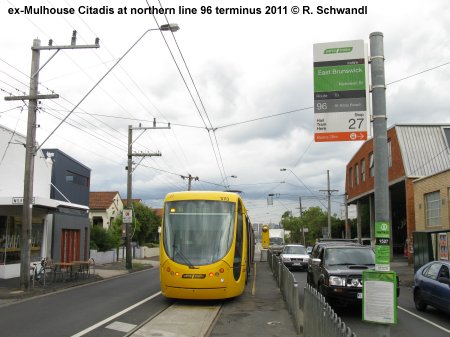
pixel 202 195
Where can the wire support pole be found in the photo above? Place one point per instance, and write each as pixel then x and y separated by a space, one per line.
pixel 380 150
pixel 329 191
pixel 30 153
pixel 129 168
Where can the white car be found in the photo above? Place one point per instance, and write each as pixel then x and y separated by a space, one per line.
pixel 295 256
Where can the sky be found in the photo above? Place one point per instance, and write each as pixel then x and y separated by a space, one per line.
pixel 237 90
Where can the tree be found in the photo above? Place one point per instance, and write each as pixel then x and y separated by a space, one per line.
pixel 291 224
pixel 145 224
pixel 314 219
pixel 104 239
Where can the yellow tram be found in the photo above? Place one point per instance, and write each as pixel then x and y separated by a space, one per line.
pixel 206 245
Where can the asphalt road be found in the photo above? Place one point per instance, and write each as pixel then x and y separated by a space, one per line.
pixel 68 312
pixel 411 323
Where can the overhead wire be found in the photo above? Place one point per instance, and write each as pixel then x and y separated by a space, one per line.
pixel 144 106
pixel 209 128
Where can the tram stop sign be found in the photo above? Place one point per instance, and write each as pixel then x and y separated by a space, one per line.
pixel 341 91
pixel 382 246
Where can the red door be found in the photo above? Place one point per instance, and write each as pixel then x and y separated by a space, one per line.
pixel 70 245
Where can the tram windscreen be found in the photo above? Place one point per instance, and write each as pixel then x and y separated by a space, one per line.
pixel 198 232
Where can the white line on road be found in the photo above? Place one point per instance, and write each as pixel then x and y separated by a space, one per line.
pixel 425 320
pixel 110 318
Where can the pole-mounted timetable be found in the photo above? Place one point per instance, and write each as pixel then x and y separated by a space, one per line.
pixel 340 91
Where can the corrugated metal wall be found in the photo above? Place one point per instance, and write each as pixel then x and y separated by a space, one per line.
pixel 424 148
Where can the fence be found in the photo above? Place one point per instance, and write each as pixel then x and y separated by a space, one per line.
pixel 319 320
pixel 120 254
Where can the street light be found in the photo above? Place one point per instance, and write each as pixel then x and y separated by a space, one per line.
pixel 172 27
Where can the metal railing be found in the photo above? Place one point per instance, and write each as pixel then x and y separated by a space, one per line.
pixel 319 320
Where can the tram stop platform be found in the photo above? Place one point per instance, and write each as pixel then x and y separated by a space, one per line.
pixel 260 311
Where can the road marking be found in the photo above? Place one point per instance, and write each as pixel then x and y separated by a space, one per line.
pixel 121 326
pixel 110 318
pixel 254 279
pixel 425 320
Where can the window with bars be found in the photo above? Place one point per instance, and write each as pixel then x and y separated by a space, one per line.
pixel 371 171
pixel 350 176
pixel 363 170
pixel 389 149
pixel 432 209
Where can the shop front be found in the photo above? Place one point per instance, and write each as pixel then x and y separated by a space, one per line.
pixel 51 221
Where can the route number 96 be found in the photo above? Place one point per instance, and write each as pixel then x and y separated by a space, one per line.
pixel 321 106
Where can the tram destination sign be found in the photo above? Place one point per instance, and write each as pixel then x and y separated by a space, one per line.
pixel 340 91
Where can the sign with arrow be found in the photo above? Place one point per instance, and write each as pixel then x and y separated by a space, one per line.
pixel 340 91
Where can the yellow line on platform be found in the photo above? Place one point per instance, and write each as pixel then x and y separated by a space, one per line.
pixel 254 279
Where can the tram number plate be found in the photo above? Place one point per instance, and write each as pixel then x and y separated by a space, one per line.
pixel 194 276
pixel 359 296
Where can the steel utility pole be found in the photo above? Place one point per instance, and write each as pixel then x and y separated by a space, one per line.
pixel 329 191
pixel 30 148
pixel 380 143
pixel 190 178
pixel 348 229
pixel 128 260
pixel 301 215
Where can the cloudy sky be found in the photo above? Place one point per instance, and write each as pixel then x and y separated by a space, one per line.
pixel 237 90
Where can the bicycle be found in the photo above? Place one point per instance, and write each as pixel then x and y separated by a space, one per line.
pixel 39 272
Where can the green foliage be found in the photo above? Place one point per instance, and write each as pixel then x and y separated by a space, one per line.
pixel 102 239
pixel 313 219
pixel 144 229
pixel 145 224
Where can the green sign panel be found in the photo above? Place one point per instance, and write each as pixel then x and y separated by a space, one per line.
pixel 340 78
pixel 382 229
pixel 379 297
pixel 382 246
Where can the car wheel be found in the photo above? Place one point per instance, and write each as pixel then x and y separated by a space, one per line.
pixel 418 301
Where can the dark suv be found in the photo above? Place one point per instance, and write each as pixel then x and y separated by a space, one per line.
pixel 335 269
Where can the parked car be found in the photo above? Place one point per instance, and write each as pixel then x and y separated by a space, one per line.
pixel 323 242
pixel 295 256
pixel 335 270
pixel 432 286
pixel 276 245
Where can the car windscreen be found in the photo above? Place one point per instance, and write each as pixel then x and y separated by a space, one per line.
pixel 294 250
pixel 276 241
pixel 349 256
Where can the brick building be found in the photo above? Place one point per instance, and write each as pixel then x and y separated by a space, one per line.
pixel 414 151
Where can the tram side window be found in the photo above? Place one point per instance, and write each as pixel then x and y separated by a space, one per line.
pixel 238 247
